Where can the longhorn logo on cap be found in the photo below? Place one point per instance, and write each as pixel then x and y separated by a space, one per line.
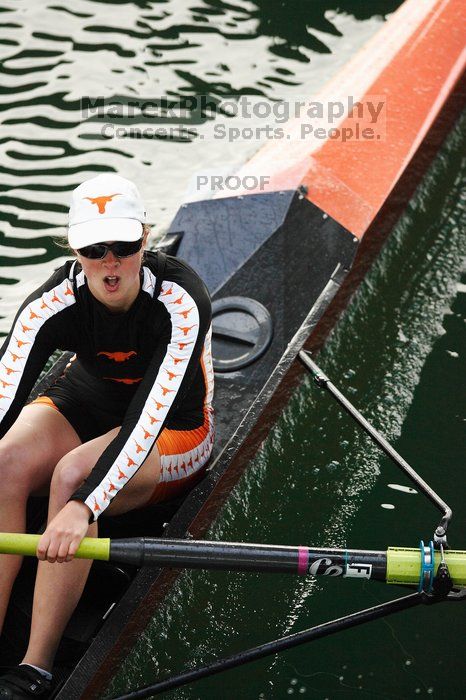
pixel 102 201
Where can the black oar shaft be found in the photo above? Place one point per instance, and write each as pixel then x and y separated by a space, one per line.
pixel 276 646
pixel 324 381
pixel 240 556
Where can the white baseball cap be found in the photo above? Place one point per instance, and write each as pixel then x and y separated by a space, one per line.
pixel 105 208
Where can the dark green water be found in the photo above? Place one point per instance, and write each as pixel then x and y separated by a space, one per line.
pixel 398 352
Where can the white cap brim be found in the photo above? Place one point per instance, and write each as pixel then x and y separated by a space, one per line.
pixel 105 230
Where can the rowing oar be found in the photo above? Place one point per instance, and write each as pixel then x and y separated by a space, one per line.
pixel 399 565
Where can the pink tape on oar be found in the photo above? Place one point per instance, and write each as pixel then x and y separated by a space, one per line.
pixel 303 560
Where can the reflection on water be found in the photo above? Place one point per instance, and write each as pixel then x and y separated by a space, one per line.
pixel 298 25
pixel 55 55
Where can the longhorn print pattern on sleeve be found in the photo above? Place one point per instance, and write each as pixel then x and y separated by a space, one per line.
pixel 23 337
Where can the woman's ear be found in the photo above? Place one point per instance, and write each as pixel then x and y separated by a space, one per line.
pixel 145 236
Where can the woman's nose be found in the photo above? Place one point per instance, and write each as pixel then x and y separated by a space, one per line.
pixel 110 258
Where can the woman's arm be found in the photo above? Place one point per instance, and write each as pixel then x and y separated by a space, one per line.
pixel 38 330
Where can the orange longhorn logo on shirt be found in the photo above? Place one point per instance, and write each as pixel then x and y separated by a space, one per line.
pixel 186 329
pixel 131 463
pixel 139 448
pixel 152 419
pixel 20 343
pixel 185 313
pixel 11 371
pixel 165 391
pixel 102 201
pixel 177 359
pixel 124 381
pixel 118 356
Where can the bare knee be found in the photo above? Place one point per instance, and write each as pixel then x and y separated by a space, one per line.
pixel 69 474
pixel 18 470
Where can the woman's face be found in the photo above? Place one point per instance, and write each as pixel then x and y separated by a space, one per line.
pixel 114 281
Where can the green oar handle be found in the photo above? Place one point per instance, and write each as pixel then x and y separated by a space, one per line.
pixel 90 547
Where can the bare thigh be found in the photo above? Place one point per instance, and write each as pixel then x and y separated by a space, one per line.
pixel 35 443
pixel 138 490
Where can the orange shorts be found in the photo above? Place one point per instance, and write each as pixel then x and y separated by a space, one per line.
pixel 183 457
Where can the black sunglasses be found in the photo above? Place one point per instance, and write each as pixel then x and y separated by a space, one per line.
pixel 120 249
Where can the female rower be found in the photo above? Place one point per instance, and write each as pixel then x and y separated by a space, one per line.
pixel 129 423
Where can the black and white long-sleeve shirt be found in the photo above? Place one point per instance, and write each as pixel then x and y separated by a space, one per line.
pixel 156 357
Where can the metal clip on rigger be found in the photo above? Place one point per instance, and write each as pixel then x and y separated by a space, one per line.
pixel 442 583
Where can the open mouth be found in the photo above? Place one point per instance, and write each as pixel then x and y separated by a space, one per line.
pixel 111 283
